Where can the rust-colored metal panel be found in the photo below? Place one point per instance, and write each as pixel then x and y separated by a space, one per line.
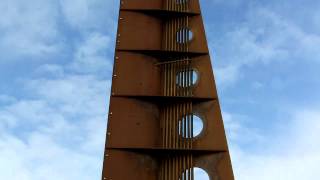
pixel 142 127
pixel 164 117
pixel 143 74
pixel 133 123
pixel 137 165
pixel 156 5
pixel 135 74
pixel 139 31
pixel 218 165
pixel 130 165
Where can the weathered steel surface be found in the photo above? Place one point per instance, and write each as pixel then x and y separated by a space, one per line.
pixel 161 47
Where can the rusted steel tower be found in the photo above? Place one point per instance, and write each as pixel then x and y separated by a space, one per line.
pixel 164 116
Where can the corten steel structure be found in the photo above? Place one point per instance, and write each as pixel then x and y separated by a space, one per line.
pixel 163 77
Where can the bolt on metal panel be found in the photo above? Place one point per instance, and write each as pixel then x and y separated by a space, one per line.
pixel 164 116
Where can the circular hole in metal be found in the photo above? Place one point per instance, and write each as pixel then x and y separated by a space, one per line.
pixel 187 78
pixel 184 35
pixel 185 124
pixel 198 174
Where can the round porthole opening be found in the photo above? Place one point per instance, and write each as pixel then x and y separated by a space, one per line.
pixel 187 78
pixel 184 35
pixel 198 174
pixel 190 126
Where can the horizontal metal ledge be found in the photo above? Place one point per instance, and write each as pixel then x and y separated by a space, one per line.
pixel 163 53
pixel 168 98
pixel 165 151
pixel 163 12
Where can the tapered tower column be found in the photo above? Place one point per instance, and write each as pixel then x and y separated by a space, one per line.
pixel 164 118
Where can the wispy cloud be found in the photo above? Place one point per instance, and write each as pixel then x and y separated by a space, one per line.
pixel 262 38
pixel 55 129
pixel 292 153
pixel 91 55
pixel 28 29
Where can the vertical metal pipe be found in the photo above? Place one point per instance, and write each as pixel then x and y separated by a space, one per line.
pixel 169 127
pixel 188 77
pixel 177 125
pixel 174 127
pixel 188 37
pixel 176 25
pixel 180 78
pixel 165 169
pixel 184 33
pixel 160 171
pixel 164 67
pixel 181 33
pixel 181 126
pixel 178 33
pixel 188 126
pixel 189 167
pixel 169 34
pixel 170 169
pixel 166 127
pixel 163 125
pixel 185 78
pixel 191 112
pixel 173 119
pixel 168 79
pixel 174 74
pixel 185 126
pixel 192 169
pixel 172 35
pixel 177 168
pixel 172 79
pixel 166 34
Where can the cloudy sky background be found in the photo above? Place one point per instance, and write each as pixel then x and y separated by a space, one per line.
pixel 56 61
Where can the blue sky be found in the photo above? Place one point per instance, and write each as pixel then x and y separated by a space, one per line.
pixel 56 63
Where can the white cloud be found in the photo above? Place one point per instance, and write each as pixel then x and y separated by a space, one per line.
pixel 28 28
pixel 291 154
pixel 56 128
pixel 6 99
pixel 227 75
pixel 59 134
pixel 50 69
pixel 41 158
pixel 91 55
pixel 264 37
pixel 86 14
